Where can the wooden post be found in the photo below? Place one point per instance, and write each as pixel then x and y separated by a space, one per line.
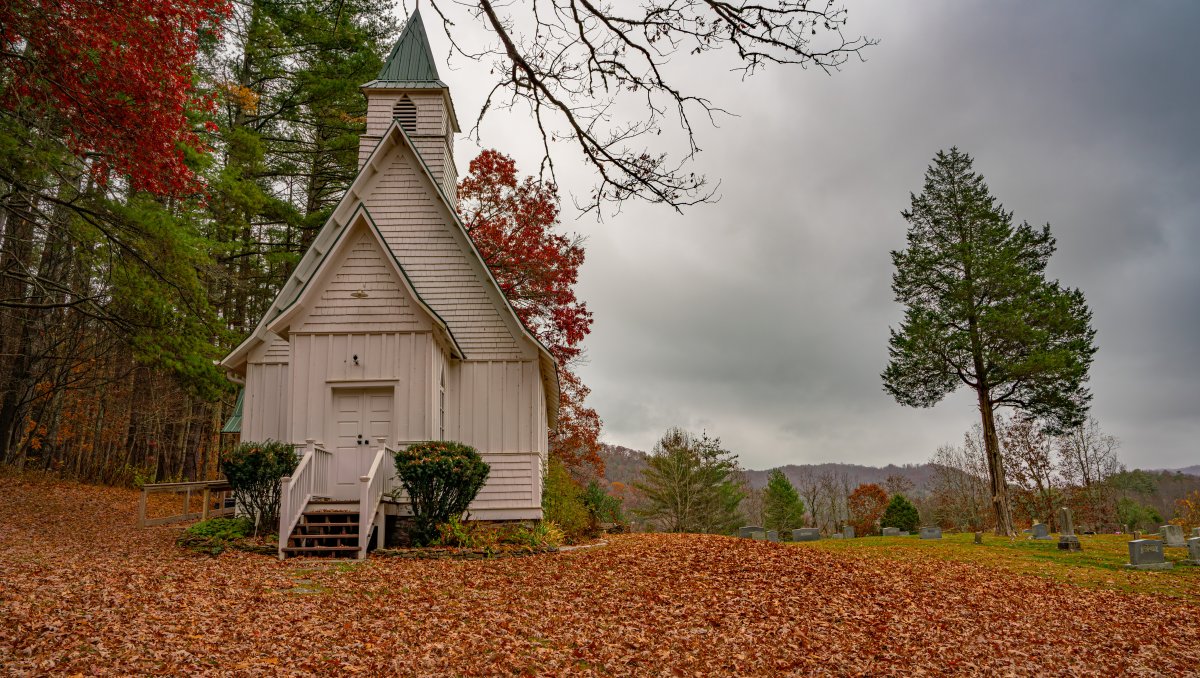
pixel 207 501
pixel 142 509
pixel 187 503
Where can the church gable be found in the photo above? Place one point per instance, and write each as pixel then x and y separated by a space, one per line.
pixel 434 253
pixel 361 292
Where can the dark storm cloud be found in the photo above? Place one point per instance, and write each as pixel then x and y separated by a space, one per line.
pixel 764 317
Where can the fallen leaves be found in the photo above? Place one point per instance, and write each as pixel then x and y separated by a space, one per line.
pixel 94 595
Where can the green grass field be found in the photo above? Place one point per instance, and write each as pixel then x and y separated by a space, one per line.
pixel 1099 565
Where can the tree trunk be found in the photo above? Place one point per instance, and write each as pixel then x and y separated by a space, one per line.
pixel 999 486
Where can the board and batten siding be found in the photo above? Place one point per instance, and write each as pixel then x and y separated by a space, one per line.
pixel 264 409
pixel 323 362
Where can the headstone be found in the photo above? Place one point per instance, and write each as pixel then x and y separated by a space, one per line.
pixel 1041 531
pixel 1137 535
pixel 758 535
pixel 745 532
pixel 1172 536
pixel 933 532
pixel 1067 541
pixel 806 534
pixel 891 532
pixel 978 537
pixel 836 535
pixel 848 531
pixel 772 535
pixel 903 533
pixel 1147 554
pixel 1193 545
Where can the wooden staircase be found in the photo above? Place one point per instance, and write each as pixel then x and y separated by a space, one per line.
pixel 325 532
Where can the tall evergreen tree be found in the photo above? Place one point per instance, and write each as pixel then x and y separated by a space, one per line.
pixel 782 508
pixel 979 311
pixel 690 485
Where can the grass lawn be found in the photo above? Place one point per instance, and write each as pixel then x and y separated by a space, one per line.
pixel 84 592
pixel 1099 565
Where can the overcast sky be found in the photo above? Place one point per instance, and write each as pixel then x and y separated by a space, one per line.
pixel 764 318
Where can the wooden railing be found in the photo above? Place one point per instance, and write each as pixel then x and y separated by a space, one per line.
pixel 310 479
pixel 370 497
pixel 207 489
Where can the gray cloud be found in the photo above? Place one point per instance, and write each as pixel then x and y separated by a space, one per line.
pixel 764 317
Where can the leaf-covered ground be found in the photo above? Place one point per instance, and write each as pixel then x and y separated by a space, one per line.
pixel 84 592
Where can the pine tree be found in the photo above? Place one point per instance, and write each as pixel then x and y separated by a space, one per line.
pixel 782 508
pixel 979 311
pixel 690 485
pixel 900 513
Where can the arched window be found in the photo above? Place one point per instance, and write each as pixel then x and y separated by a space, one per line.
pixel 406 112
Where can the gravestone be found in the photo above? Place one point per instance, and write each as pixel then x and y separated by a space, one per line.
pixel 933 532
pixel 1137 535
pixel 848 532
pixel 1193 545
pixel 806 534
pixel 758 535
pixel 1147 554
pixel 1172 536
pixel 1041 531
pixel 1067 541
pixel 772 535
pixel 903 533
pixel 891 532
pixel 978 537
pixel 746 532
pixel 836 535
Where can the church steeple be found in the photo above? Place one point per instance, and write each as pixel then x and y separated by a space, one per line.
pixel 411 59
pixel 408 90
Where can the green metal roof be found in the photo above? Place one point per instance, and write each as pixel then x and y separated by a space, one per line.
pixel 234 425
pixel 411 60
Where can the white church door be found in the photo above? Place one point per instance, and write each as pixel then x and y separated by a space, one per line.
pixel 360 417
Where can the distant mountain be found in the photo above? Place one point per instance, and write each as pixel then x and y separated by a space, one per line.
pixel 1189 470
pixel 623 464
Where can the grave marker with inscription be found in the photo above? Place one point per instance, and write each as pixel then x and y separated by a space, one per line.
pixel 806 534
pixel 1067 541
pixel 1041 531
pixel 932 532
pixel 1147 554
pixel 1172 536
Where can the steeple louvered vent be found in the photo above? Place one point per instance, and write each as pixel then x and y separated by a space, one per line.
pixel 406 112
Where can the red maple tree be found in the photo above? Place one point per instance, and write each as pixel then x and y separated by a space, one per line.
pixel 512 222
pixel 114 79
pixel 866 504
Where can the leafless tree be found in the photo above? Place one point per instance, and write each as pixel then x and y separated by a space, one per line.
pixel 959 486
pixel 1029 459
pixel 1087 458
pixel 603 79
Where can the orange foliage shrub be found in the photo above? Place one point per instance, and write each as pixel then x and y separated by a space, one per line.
pixel 866 505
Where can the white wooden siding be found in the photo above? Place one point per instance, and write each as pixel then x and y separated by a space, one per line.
pixel 493 406
pixel 264 409
pixel 436 260
pixel 360 266
pixel 323 362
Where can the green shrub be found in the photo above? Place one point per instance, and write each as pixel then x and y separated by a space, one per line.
pixel 602 507
pixel 441 479
pixel 545 533
pixel 253 471
pixel 900 513
pixel 562 502
pixel 467 534
pixel 215 535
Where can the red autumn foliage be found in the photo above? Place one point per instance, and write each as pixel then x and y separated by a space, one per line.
pixel 866 505
pixel 84 592
pixel 115 79
pixel 512 222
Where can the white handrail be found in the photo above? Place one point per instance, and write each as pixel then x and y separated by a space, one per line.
pixel 370 498
pixel 310 479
